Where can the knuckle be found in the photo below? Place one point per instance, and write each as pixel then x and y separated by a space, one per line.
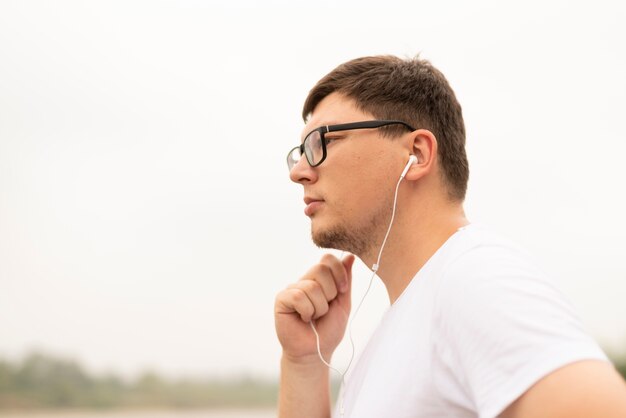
pixel 323 310
pixel 298 296
pixel 329 289
pixel 324 270
pixel 307 312
pixel 331 292
pixel 310 310
pixel 282 296
pixel 307 285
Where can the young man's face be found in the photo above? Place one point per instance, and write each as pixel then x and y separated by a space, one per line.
pixel 348 197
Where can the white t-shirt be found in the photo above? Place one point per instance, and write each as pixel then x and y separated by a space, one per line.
pixel 476 327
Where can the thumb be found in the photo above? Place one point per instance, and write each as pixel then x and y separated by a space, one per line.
pixel 344 295
pixel 348 262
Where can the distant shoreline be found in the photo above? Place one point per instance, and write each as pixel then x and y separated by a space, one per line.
pixel 44 382
pixel 143 413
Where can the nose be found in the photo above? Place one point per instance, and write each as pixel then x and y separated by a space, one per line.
pixel 303 173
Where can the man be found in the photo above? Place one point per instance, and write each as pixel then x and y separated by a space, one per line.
pixel 474 328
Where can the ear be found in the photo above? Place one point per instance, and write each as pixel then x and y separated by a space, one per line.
pixel 424 147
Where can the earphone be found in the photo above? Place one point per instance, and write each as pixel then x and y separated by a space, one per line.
pixel 412 160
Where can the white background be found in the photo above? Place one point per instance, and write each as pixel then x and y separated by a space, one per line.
pixel 146 216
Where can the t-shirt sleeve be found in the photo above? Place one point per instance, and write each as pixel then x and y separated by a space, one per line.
pixel 502 326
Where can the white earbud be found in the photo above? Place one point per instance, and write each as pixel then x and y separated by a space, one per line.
pixel 412 160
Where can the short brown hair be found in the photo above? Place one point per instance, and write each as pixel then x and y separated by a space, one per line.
pixel 411 90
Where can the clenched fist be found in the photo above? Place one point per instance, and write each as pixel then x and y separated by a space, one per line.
pixel 321 295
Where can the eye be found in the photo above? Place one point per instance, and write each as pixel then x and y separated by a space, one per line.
pixel 330 140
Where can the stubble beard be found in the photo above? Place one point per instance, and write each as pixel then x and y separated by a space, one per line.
pixel 359 240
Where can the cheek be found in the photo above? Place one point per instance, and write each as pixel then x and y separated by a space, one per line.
pixel 361 193
pixel 363 182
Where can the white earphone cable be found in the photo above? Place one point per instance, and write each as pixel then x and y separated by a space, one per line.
pixel 374 270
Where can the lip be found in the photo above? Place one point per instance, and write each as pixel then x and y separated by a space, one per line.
pixel 312 205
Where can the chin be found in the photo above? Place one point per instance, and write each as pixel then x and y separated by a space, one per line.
pixel 325 240
pixel 338 237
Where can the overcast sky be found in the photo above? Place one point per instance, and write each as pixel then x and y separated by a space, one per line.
pixel 146 215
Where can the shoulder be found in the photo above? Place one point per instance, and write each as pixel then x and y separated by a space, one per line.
pixel 490 267
pixel 501 324
pixel 496 289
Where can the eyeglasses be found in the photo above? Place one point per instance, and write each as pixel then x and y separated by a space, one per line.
pixel 314 144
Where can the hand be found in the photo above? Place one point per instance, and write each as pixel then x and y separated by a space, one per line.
pixel 322 295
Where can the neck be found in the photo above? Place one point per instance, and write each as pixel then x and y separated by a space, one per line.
pixel 417 233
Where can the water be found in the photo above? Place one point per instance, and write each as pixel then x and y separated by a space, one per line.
pixel 197 413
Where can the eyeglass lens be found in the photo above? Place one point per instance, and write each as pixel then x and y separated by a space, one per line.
pixel 313 148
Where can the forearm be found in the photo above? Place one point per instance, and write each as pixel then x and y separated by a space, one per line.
pixel 304 390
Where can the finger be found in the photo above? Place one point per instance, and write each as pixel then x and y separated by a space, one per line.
pixel 344 298
pixel 295 301
pixel 323 275
pixel 340 274
pixel 330 274
pixel 314 292
pixel 347 263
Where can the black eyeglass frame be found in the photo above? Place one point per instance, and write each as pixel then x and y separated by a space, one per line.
pixel 368 124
